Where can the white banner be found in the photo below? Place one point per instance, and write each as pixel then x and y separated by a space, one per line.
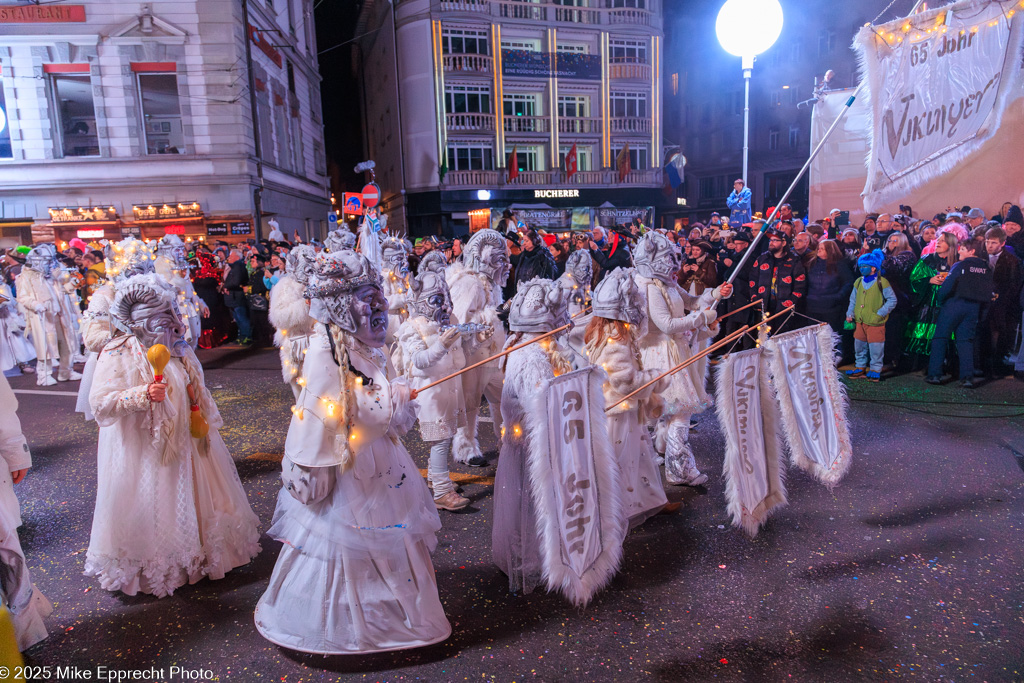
pixel 812 401
pixel 837 175
pixel 939 83
pixel 574 479
pixel 749 418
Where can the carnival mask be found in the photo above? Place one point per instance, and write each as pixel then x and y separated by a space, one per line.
pixel 173 249
pixel 657 257
pixel 340 239
pixel 42 259
pixel 370 313
pixel 395 257
pixel 581 266
pixel 344 290
pixel 538 306
pixel 617 297
pixel 487 253
pixel 146 306
pixel 431 298
pixel 301 262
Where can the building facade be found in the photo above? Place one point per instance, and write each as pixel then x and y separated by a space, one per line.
pixel 125 118
pixel 454 91
pixel 704 100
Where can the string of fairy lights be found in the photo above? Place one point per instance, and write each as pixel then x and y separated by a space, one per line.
pixel 939 25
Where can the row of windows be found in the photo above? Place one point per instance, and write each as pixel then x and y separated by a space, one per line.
pixel 476 99
pixel 74 113
pixel 475 156
pixel 455 41
pixel 76 134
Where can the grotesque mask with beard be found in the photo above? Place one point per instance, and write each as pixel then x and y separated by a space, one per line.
pixel 146 306
pixel 487 253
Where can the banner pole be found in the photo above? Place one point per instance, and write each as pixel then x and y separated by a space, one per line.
pixel 697 356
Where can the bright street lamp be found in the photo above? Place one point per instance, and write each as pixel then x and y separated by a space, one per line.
pixel 746 28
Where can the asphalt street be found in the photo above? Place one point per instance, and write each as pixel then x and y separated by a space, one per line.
pixel 910 569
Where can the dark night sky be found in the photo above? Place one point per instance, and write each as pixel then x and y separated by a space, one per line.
pixel 335 23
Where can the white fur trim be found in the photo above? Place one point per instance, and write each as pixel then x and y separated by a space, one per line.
pixel 827 342
pixel 557 575
pixel 724 380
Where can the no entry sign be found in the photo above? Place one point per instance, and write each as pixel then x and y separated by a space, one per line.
pixel 371 195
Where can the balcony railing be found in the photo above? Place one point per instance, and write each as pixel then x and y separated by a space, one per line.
pixel 603 178
pixel 630 71
pixel 592 12
pixel 531 11
pixel 630 16
pixel 483 6
pixel 579 125
pixel 473 178
pixel 631 125
pixel 481 122
pixel 577 15
pixel 527 124
pixel 479 64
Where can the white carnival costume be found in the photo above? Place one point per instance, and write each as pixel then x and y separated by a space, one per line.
pixel 670 335
pixel 430 348
pixel 50 323
pixel 356 519
pixel 475 287
pixel 124 259
pixel 170 508
pixel 395 271
pixel 518 544
pixel 615 348
pixel 575 281
pixel 289 314
pixel 25 603
pixel 172 265
pixel 15 349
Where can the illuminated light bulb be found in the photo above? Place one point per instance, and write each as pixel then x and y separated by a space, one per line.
pixel 330 409
pixel 359 381
pixel 305 351
pixel 301 381
pixel 517 430
pixel 352 436
pixel 503 432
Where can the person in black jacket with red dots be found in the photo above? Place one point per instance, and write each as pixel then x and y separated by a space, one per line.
pixel 778 278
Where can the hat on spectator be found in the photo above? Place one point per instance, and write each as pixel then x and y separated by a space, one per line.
pixel 954 215
pixel 976 213
pixel 743 236
pixel 1014 215
pixel 873 259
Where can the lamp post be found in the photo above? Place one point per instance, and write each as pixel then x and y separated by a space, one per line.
pixel 746 28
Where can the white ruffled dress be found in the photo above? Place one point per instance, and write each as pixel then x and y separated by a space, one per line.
pixel 354 575
pixel 170 508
